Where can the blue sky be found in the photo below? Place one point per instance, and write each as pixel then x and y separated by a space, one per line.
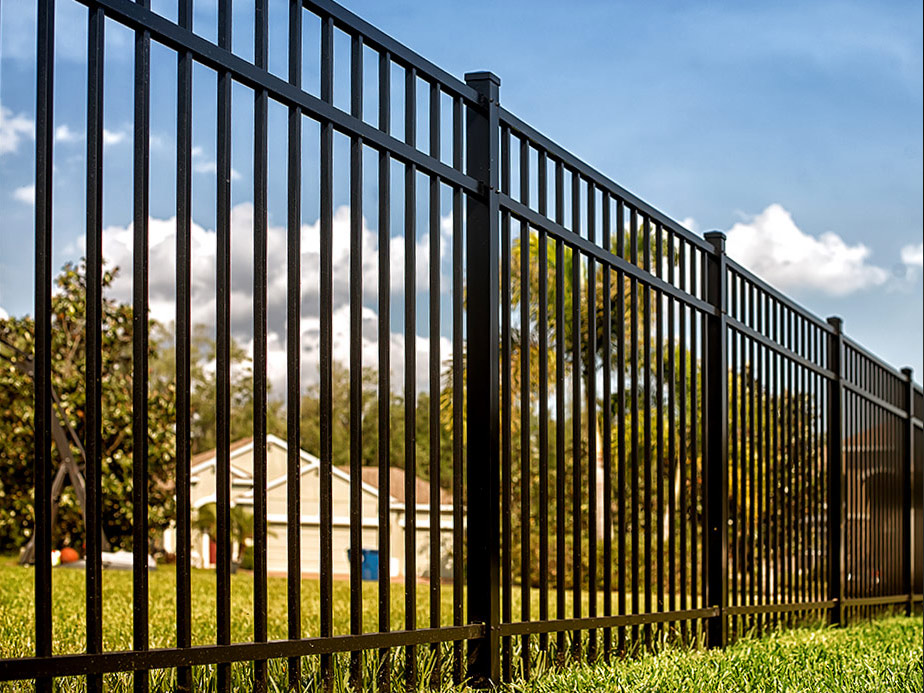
pixel 795 128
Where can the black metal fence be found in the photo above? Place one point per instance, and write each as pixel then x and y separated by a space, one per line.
pixel 648 443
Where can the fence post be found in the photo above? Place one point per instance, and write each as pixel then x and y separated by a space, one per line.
pixel 908 548
pixel 483 463
pixel 836 557
pixel 715 424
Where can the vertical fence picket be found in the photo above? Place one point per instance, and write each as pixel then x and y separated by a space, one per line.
pixel 94 368
pixel 41 360
pixel 223 351
pixel 458 395
pixel 260 383
pixel 356 342
pixel 384 373
pixel 906 529
pixel 183 347
pixel 716 444
pixel 434 380
pixel 140 203
pixel 293 342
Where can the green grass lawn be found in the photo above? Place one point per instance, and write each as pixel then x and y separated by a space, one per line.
pixel 881 656
pixel 68 611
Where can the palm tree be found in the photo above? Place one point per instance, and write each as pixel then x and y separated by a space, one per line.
pixel 241 525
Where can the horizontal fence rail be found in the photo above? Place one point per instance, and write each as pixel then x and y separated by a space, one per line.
pixel 613 438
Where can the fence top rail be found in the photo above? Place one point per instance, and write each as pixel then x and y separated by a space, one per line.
pixel 777 295
pixel 877 400
pixel 170 34
pixel 866 353
pixel 600 180
pixel 399 53
pixel 614 262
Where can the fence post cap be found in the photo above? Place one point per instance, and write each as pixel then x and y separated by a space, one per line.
pixel 836 322
pixel 908 372
pixel 717 239
pixel 482 75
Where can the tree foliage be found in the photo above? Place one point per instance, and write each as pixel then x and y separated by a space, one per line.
pixel 68 367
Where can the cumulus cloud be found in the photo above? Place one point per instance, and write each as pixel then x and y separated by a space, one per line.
pixel 202 164
pixel 25 194
pixel 112 137
pixel 118 250
pixel 65 135
pixel 775 248
pixel 690 223
pixel 14 129
pixel 913 256
pixel 3 314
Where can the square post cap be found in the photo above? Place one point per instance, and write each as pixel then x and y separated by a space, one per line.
pixel 717 239
pixel 836 322
pixel 481 76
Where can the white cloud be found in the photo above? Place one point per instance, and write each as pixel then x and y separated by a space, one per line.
pixel 773 247
pixel 25 194
pixel 3 314
pixel 202 164
pixel 118 244
pixel 913 256
pixel 14 128
pixel 690 223
pixel 111 137
pixel 64 134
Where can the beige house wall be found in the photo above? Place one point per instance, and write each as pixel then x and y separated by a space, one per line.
pixel 202 491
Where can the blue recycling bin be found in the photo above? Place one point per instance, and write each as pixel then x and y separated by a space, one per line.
pixel 370 564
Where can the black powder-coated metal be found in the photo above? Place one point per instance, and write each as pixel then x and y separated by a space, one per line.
pixel 458 498
pixel 590 364
pixel 576 431
pixel 384 373
pixel 293 341
pixel 607 433
pixel 525 410
pixel 44 172
pixel 223 351
pixel 410 374
pixel 543 333
pixel 905 527
pixel 356 403
pixel 434 381
pixel 183 358
pixel 94 345
pixel 260 383
pixel 715 425
pixel 140 203
pixel 622 582
pixel 202 655
pixel 325 471
pixel 506 384
pixel 560 499
pixel 482 407
pixel 737 469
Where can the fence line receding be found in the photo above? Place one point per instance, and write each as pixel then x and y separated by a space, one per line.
pixel 630 439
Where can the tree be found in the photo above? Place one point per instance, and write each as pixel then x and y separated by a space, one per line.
pixel 203 388
pixel 241 527
pixel 68 380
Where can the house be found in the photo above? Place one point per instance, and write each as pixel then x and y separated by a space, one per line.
pixel 202 491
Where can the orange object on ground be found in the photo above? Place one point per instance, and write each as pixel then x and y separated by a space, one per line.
pixel 69 555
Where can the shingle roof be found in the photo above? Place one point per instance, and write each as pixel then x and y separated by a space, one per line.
pixel 370 475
